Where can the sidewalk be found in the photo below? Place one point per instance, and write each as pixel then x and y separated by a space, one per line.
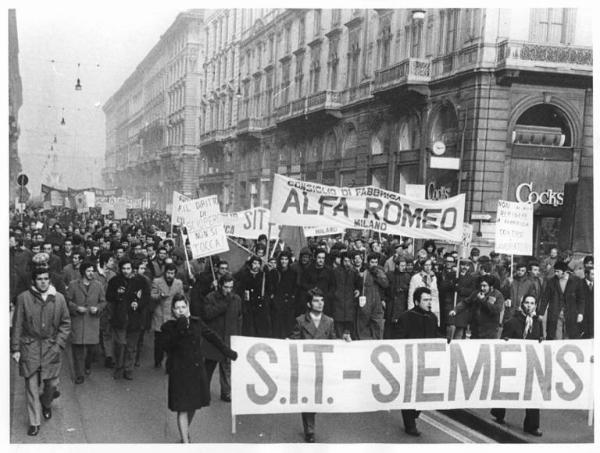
pixel 558 426
pixel 66 424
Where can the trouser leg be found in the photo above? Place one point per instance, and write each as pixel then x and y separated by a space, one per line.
pixel 107 342
pixel 532 420
pixel 158 348
pixel 78 359
pixel 409 417
pixel 50 386
pixel 130 349
pixel 90 353
pixel 308 422
pixel 32 391
pixel 560 327
pixel 498 413
pixel 140 345
pixel 119 344
pixel 225 377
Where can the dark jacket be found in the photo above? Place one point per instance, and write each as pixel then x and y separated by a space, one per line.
pixel 554 300
pixel 281 290
pixel 369 319
pixel 188 382
pixel 515 327
pixel 256 311
pixel 222 314
pixel 122 315
pixel 323 279
pixel 416 323
pixel 485 314
pixel 397 298
pixel 344 303
pixel 305 328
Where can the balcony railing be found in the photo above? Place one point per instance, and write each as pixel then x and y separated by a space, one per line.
pixel 411 70
pixel 283 111
pixel 542 57
pixel 357 93
pixel 249 125
pixel 323 100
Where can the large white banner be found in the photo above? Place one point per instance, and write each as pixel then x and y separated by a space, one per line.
pixel 514 228
pixel 301 203
pixel 249 224
pixel 281 376
pixel 202 218
pixel 176 212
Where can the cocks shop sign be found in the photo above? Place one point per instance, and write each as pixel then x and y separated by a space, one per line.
pixel 526 194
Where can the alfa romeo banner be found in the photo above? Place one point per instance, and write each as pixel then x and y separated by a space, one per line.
pixel 282 376
pixel 302 203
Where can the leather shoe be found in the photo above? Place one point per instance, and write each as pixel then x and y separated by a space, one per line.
pixel 226 398
pixel 534 432
pixel 47 412
pixel 127 375
pixel 413 432
pixel 79 380
pixel 310 438
pixel 33 430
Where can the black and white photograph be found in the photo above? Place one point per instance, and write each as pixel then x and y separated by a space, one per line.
pixel 345 224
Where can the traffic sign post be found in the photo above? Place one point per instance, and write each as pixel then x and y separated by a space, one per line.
pixel 22 181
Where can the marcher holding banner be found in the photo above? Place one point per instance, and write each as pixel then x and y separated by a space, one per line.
pixel 314 325
pixel 188 384
pixel 524 324
pixel 418 322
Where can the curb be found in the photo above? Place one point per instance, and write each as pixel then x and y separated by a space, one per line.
pixel 500 433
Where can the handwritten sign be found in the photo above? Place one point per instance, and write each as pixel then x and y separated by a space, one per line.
pixel 249 224
pixel 284 376
pixel 177 217
pixel 514 228
pixel 204 223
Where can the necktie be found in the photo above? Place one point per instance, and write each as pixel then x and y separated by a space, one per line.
pixel 528 325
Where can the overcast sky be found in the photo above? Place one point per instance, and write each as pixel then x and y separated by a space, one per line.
pixel 101 46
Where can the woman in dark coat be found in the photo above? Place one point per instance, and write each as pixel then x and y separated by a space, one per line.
pixel 188 384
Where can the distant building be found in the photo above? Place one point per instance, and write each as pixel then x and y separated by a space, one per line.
pixel 15 100
pixel 152 120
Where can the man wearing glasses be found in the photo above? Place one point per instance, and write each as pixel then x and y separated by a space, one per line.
pixel 222 312
pixel 41 328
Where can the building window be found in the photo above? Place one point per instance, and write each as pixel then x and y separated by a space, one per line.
pixel 271 48
pixel 543 125
pixel 472 24
pixel 285 82
pixel 552 25
pixel 257 97
pixel 287 38
pixel 336 17
pixel 333 61
pixel 353 57
pixel 301 31
pixel 384 40
pixel 299 75
pixel 451 27
pixel 269 93
pixel 317 22
pixel 315 68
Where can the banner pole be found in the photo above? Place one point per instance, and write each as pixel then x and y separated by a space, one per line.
pixel 212 269
pixel 187 260
pixel 262 291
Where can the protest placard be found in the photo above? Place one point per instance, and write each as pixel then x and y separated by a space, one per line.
pixel 467 238
pixel 283 376
pixel 177 217
pixel 202 218
pixel 302 203
pixel 105 208
pixel 120 209
pixel 248 224
pixel 56 198
pixel 514 228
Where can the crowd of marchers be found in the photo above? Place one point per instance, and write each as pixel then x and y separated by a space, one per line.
pixel 102 286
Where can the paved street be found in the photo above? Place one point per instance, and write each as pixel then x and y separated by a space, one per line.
pixel 104 410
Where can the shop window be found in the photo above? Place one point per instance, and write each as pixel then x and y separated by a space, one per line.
pixel 542 125
pixel 380 141
pixel 445 127
pixel 349 149
pixel 330 151
pixel 409 137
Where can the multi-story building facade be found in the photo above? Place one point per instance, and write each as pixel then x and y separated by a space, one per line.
pixel 361 96
pixel 15 100
pixel 152 120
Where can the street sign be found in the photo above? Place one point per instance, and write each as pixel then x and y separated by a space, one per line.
pixel 22 179
pixel 448 163
pixel 481 216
